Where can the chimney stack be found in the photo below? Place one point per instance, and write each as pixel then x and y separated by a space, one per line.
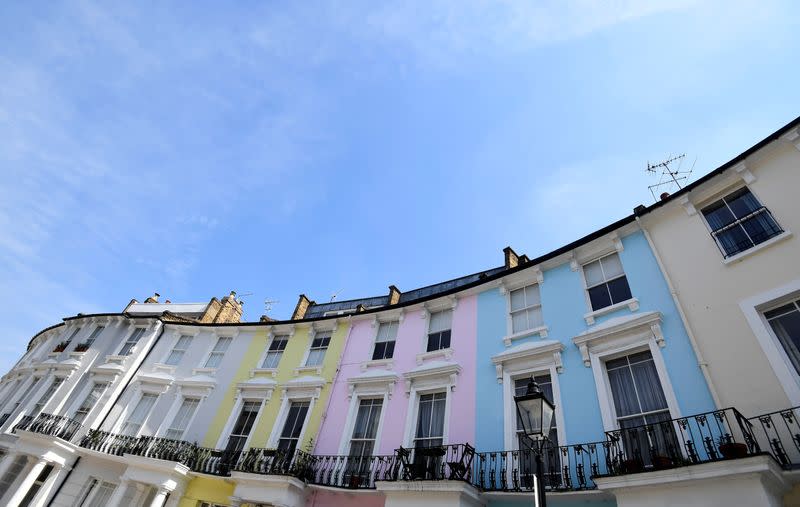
pixel 394 295
pixel 302 307
pixel 511 257
pixel 153 298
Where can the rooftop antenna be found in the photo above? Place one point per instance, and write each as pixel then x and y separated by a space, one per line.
pixel 268 305
pixel 668 176
pixel 240 296
pixel 333 296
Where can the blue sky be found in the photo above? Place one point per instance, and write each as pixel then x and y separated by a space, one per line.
pixel 279 148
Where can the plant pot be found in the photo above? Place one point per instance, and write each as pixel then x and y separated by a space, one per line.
pixel 661 462
pixel 733 450
pixel 630 466
pixel 355 481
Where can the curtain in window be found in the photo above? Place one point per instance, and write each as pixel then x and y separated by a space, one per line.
pixel 651 395
pixel 593 273
pixel 139 414
pixel 440 321
pixel 624 392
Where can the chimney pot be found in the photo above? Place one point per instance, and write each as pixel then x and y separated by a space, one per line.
pixel 664 195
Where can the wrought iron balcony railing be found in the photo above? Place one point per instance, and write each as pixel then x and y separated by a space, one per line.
pixel 779 433
pixel 353 472
pixel 276 462
pixel 163 448
pixel 23 423
pixel 213 461
pixel 107 442
pixel 565 468
pixel 54 425
pixel 434 463
pixel 712 436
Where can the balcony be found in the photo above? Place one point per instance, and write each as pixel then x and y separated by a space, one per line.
pixel 48 424
pixel 352 472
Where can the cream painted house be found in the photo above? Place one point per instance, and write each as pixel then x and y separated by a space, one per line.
pixel 728 247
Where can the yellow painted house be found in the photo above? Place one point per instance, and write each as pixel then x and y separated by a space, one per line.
pixel 301 377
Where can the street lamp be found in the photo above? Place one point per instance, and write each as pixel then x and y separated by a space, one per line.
pixel 536 413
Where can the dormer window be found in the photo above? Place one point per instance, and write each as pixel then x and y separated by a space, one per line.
pixel 739 222
pixel 439 330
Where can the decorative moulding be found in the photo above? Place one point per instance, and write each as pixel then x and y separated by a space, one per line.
pixel 271 372
pixel 373 382
pixel 793 136
pixel 303 387
pixel 540 331
pixel 433 374
pixel 446 354
pixel 619 331
pixel 260 387
pixel 204 371
pixel 687 205
pixel 526 277
pixel 744 172
pixel 377 363
pixel 306 370
pixel 632 304
pixel 542 353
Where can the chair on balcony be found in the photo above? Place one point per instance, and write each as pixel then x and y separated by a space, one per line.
pixel 411 470
pixel 459 470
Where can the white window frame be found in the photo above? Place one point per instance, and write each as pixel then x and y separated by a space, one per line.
pixel 425 314
pixel 83 395
pixel 176 339
pixel 311 338
pixel 92 336
pixel 506 288
pixel 409 435
pixel 632 303
pixel 224 436
pixel 510 374
pixel 377 326
pixel 366 392
pixel 128 337
pixel 130 407
pixel 753 309
pixel 270 339
pixel 89 490
pixel 48 402
pixel 309 393
pixel 642 334
pixel 210 352
pixel 174 408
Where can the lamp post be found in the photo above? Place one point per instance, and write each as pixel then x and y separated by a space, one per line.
pixel 536 413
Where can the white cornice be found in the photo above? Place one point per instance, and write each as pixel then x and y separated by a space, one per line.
pixel 548 351
pixel 618 329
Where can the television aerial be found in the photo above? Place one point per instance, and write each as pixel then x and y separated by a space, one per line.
pixel 669 176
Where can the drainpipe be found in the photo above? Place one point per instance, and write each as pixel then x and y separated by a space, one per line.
pixel 700 361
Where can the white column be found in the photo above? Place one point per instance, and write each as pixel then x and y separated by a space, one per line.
pixel 119 493
pixel 6 463
pixel 54 478
pixel 174 498
pixel 26 483
pixel 160 497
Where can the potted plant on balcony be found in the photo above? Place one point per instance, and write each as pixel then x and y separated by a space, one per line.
pixel 82 347
pixel 631 466
pixel 61 347
pixel 661 462
pixel 731 449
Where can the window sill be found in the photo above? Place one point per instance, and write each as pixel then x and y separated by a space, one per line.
pixel 204 371
pixel 271 372
pixel 115 359
pixel 377 363
pixel 444 353
pixel 632 304
pixel 316 370
pixel 741 255
pixel 167 368
pixel 541 331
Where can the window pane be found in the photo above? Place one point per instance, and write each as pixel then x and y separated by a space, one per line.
pixel 742 202
pixel 648 386
pixel 612 267
pixel 174 357
pixel 532 296
pixel 517 299
pixel 787 329
pixel 519 321
pixel 593 273
pixel 535 318
pixel 718 215
pixel 623 391
pixel 734 240
pixel 761 227
pixel 440 321
pixel 315 357
pixel 222 344
pixel 619 289
pixel 777 312
pixel 214 360
pixel 278 344
pixel 599 297
pixel 387 332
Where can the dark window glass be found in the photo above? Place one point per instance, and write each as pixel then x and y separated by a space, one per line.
pixel 738 222
pixel 293 426
pixel 384 350
pixel 619 290
pixel 438 341
pixel 599 297
pixel 785 322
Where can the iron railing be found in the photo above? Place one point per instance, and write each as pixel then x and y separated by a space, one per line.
pixel 213 461
pixel 353 472
pixel 565 468
pixel 23 423
pixel 57 426
pixel 163 448
pixel 711 436
pixel 107 442
pixel 779 433
pixel 276 462
pixel 758 226
pixel 435 463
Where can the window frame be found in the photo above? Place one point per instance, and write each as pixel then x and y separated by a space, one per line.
pixel 125 416
pixel 273 339
pixel 319 335
pixel 94 335
pixel 173 413
pixel 614 304
pixel 722 196
pixel 211 351
pixel 303 425
pixel 375 342
pixel 224 437
pixel 86 392
pixel 428 332
pixel 179 336
pixel 127 341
